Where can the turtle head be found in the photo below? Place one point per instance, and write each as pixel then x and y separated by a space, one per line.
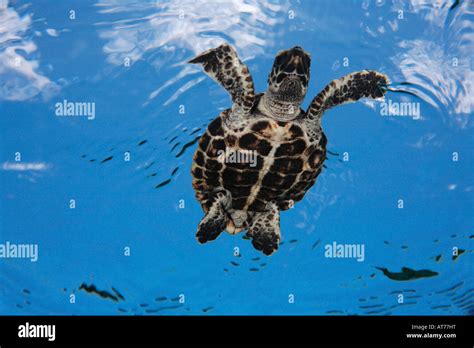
pixel 288 80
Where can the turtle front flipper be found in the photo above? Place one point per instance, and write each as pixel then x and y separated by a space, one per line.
pixel 265 229
pixel 215 221
pixel 347 89
pixel 224 66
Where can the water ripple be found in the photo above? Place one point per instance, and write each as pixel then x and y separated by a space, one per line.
pixel 440 64
pixel 20 75
pixel 169 33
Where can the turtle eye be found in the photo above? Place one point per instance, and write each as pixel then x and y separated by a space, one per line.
pixel 304 80
pixel 306 61
pixel 300 69
pixel 281 77
pixel 279 59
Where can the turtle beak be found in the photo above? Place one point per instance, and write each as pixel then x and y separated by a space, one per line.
pixel 299 61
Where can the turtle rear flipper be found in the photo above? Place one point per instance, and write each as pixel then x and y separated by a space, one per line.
pixel 224 66
pixel 347 89
pixel 215 221
pixel 265 229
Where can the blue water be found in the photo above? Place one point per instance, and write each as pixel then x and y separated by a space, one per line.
pixel 129 58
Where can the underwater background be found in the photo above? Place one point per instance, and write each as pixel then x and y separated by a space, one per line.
pixel 108 199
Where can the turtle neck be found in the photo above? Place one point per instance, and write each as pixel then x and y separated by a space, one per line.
pixel 278 109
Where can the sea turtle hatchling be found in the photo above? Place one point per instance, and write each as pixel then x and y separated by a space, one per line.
pixel 282 146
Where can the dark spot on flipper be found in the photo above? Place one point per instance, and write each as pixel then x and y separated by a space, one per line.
pixel 214 222
pixel 83 156
pixel 142 142
pixel 174 171
pixel 293 241
pixel 267 242
pixel 166 182
pixel 152 174
pixel 26 291
pixel 253 269
pixel 92 160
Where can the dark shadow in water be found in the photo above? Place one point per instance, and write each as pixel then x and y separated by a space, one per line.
pixel 185 146
pixel 166 182
pixel 107 159
pixel 460 252
pixel 92 289
pixel 407 274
